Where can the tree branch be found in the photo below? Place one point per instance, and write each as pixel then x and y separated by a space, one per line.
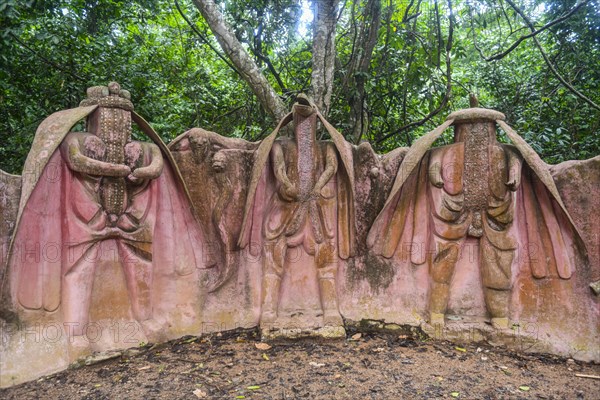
pixel 47 61
pixel 240 58
pixel 204 38
pixel 534 32
pixel 271 68
pixel 547 60
pixel 448 84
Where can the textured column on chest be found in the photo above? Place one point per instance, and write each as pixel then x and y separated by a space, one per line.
pixel 114 129
pixel 307 157
pixel 475 173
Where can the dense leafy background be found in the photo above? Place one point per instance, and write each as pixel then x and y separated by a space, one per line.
pixel 51 50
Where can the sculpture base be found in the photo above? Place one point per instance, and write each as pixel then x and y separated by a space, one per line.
pixel 326 332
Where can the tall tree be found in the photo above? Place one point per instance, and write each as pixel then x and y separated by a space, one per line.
pixel 323 52
pixel 383 70
pixel 244 64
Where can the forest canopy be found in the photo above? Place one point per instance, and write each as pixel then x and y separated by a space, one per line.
pixel 385 71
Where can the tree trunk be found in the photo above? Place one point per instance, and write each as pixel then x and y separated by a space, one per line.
pixel 240 58
pixel 323 54
pixel 358 71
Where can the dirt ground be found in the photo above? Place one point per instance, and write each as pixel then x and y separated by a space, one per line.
pixel 236 365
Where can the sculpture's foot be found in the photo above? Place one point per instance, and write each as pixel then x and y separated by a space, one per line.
pixel 155 330
pixel 332 318
pixel 79 347
pixel 268 317
pixel 500 323
pixel 436 319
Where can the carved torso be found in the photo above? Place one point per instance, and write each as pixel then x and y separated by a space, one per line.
pixel 305 160
pixel 113 127
pixel 474 198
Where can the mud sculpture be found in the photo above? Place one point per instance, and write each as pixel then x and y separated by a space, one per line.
pixel 475 240
pixel 474 188
pixel 310 210
pixel 98 198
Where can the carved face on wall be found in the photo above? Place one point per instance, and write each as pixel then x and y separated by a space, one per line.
pixel 219 161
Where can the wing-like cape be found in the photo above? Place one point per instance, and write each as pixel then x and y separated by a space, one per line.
pixel 36 251
pixel 552 237
pixel 251 232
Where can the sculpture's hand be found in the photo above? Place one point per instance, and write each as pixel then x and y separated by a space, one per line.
pixel 515 162
pixel 316 193
pixel 73 154
pixel 330 170
pixel 289 192
pixel 80 163
pixel 119 170
pixel 438 183
pixel 513 184
pixel 435 175
pixel 154 169
pixel 133 179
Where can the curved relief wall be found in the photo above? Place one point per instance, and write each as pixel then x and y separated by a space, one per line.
pixel 109 242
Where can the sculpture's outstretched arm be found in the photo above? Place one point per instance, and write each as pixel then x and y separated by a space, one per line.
pixel 287 190
pixel 77 161
pixel 515 163
pixel 154 169
pixel 331 167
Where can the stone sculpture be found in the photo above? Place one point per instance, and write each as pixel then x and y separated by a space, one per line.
pixel 295 235
pixel 309 209
pixel 474 188
pixel 98 197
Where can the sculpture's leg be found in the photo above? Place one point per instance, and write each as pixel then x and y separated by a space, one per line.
pixel 327 268
pixel 496 276
pixel 77 292
pixel 442 269
pixel 273 260
pixel 138 277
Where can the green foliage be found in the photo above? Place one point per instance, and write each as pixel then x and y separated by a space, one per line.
pixel 52 50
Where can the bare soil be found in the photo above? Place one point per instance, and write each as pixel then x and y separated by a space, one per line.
pixel 373 366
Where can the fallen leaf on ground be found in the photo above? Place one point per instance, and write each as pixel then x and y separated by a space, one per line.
pixel 315 364
pixel 454 394
pixel 356 336
pixel 460 349
pixel 255 387
pixel 265 357
pixel 524 388
pixel 262 346
pixel 199 393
